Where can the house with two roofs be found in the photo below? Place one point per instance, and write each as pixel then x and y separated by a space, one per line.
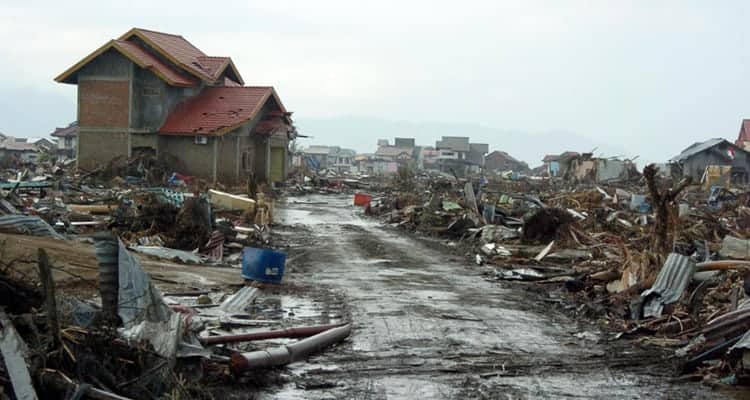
pixel 156 92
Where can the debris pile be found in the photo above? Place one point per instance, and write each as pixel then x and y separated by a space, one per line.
pixel 106 330
pixel 665 264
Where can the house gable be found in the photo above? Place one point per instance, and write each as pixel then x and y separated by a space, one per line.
pixel 134 54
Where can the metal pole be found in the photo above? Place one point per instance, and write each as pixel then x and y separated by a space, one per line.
pixel 242 362
pixel 292 333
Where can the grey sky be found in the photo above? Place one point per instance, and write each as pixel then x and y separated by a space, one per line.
pixel 647 77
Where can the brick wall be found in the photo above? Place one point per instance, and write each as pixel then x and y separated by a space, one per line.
pixel 103 103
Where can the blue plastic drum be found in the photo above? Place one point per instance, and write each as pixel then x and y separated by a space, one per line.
pixel 263 265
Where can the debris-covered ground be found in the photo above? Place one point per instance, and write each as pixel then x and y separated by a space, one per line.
pixel 155 287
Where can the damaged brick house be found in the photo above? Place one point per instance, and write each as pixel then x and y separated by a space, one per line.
pixel 155 92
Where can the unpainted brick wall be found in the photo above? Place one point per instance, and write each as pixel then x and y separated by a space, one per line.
pixel 103 103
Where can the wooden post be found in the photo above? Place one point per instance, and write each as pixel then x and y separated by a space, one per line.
pixel 50 302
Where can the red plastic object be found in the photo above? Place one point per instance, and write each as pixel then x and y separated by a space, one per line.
pixel 362 199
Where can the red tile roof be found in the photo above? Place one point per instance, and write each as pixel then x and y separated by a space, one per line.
pixel 213 65
pixel 137 55
pixel 185 62
pixel 217 110
pixel 183 53
pixel 146 60
pixel 744 135
pixel 70 130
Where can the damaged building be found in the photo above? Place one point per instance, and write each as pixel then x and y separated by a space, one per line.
pixel 586 168
pixel 501 161
pixel 701 159
pixel 156 92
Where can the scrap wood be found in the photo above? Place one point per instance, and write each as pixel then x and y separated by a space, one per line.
pixel 544 252
pixel 723 265
pixel 61 383
pixel 14 350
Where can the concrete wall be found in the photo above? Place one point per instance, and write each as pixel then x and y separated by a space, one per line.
pixel 144 140
pixel 607 170
pixel 153 99
pixel 262 158
pixel 226 164
pixel 97 148
pixel 197 159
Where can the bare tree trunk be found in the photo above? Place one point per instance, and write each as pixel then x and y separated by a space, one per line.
pixel 663 202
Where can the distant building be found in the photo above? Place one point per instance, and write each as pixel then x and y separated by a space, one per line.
pixel 344 160
pixel 329 157
pixel 459 156
pixel 369 164
pixel 67 139
pixel 18 149
pixel 43 144
pixel 320 157
pixel 404 142
pixel 477 151
pixel 392 153
pixel 743 139
pixel 554 163
pixel 457 144
pixel 714 152
pixel 590 169
pixel 500 161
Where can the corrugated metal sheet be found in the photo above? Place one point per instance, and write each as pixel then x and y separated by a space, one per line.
pixel 744 343
pixel 214 249
pixel 673 278
pixel 107 252
pixel 237 302
pixel 27 225
pixel 696 148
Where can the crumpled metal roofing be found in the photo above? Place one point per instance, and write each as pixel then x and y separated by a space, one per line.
pixel 27 225
pixel 240 300
pixel 673 278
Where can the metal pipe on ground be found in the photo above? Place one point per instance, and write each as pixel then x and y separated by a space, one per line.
pixel 291 333
pixel 276 357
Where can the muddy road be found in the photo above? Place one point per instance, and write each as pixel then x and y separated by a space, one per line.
pixel 429 326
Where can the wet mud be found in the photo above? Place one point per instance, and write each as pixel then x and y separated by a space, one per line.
pixel 427 325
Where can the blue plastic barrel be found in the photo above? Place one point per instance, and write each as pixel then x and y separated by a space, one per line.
pixel 263 265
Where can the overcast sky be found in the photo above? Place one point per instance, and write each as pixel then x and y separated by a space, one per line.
pixel 650 77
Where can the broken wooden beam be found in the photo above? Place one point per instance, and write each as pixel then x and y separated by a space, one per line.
pixel 14 350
